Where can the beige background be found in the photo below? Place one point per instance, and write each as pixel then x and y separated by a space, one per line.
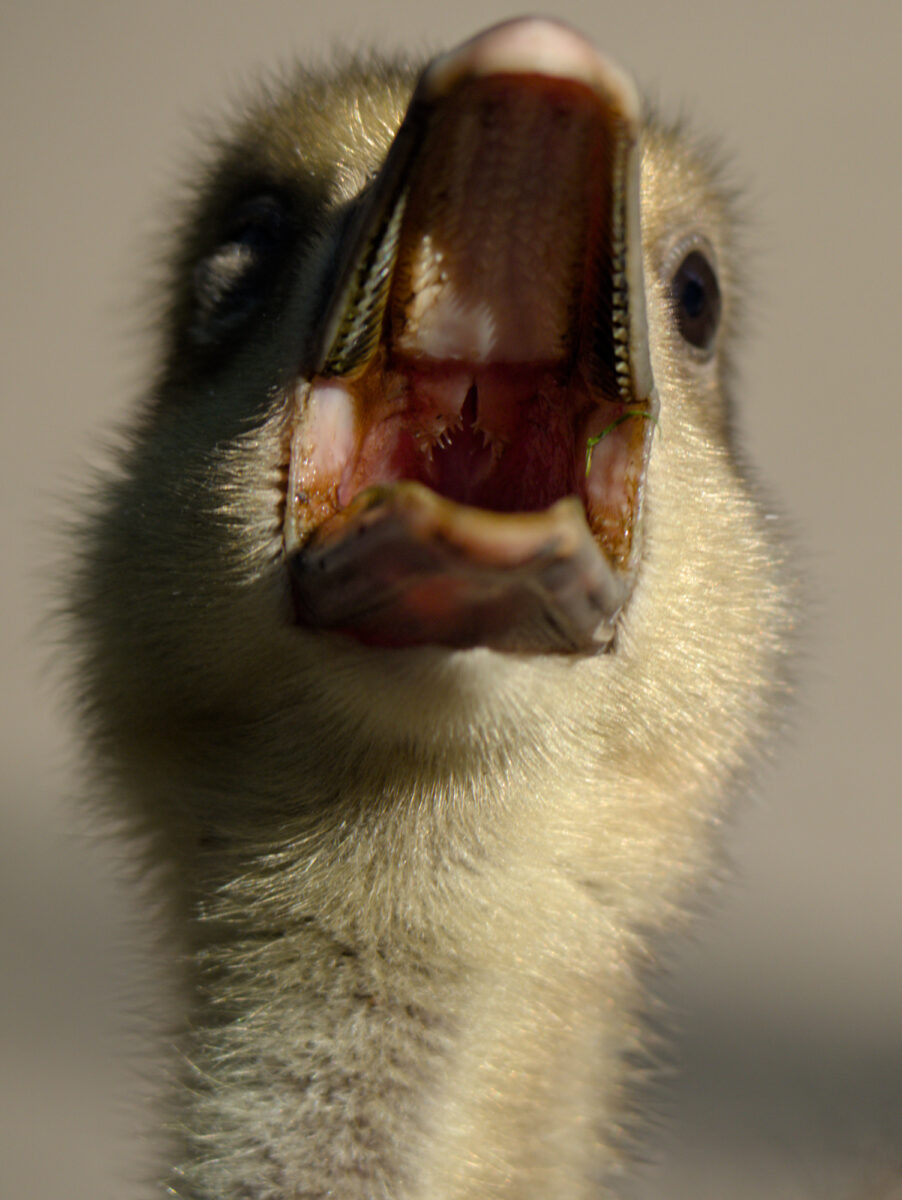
pixel 790 1001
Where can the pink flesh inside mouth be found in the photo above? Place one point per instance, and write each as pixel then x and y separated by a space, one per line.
pixel 506 438
pixel 492 386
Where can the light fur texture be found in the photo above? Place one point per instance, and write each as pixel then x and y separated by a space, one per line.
pixel 414 888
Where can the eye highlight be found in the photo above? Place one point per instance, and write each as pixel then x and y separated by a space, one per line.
pixel 232 282
pixel 696 300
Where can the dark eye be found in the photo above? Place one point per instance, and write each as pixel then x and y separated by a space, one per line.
pixel 695 293
pixel 232 283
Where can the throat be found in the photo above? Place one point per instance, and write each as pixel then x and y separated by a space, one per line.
pixel 463 460
pixel 508 447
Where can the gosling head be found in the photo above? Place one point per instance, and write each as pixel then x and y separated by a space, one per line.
pixel 439 452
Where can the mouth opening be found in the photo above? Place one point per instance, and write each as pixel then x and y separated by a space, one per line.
pixel 486 340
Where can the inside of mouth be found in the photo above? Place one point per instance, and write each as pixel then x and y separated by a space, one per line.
pixel 500 438
pixel 505 438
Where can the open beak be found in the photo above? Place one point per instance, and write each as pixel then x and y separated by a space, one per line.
pixel 468 457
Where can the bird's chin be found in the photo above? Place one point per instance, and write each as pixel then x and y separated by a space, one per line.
pixel 469 449
pixel 440 696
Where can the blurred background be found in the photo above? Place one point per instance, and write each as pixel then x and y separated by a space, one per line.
pixel 787 1005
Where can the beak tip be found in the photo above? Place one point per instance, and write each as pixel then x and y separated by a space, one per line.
pixel 533 46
